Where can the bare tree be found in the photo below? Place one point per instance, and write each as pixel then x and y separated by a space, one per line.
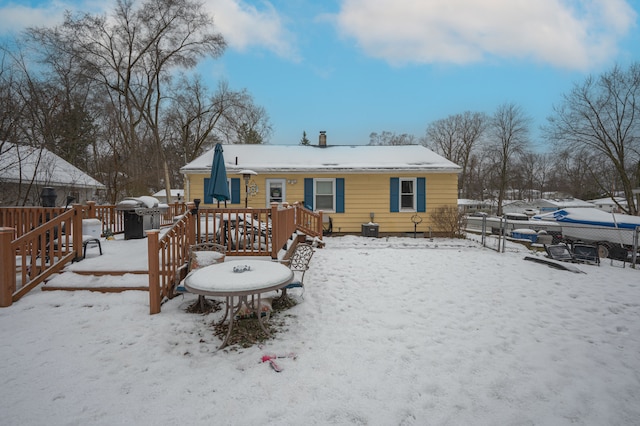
pixel 132 54
pixel 456 137
pixel 390 138
pixel 509 132
pixel 602 116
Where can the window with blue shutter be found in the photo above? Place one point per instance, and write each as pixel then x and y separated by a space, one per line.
pixel 407 194
pixel 324 194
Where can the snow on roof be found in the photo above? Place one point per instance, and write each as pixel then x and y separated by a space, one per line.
pixel 569 202
pixel 174 193
pixel 20 163
pixel 332 158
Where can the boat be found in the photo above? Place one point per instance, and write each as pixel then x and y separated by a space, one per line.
pixel 594 226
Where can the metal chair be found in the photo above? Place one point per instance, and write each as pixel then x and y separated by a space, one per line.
pixel 559 252
pixel 200 255
pixel 618 253
pixel 586 253
pixel 299 264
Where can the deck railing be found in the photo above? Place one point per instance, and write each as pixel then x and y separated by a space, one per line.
pixel 244 232
pixel 167 257
pixel 40 241
pixel 34 256
pixel 113 219
pixel 25 219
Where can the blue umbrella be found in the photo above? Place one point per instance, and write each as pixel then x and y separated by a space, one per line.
pixel 218 187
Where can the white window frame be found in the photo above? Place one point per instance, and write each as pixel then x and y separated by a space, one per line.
pixel 283 183
pixel 333 193
pixel 414 201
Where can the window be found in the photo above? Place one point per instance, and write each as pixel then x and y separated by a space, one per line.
pixel 276 189
pixel 407 194
pixel 324 194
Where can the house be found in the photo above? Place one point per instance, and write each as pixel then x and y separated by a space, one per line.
pixel 609 205
pixel 391 186
pixel 177 195
pixel 26 170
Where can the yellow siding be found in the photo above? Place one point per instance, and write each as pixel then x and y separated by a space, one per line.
pixel 364 193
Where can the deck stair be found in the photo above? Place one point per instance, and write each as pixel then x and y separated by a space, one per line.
pixel 100 281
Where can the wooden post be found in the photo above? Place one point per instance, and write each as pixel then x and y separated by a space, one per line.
pixel 91 210
pixel 7 268
pixel 275 229
pixel 154 271
pixel 191 230
pixel 77 231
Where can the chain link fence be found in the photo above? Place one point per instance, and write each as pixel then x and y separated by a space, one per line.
pixel 619 244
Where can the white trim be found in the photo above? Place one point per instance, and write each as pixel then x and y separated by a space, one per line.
pixel 414 181
pixel 283 183
pixel 315 193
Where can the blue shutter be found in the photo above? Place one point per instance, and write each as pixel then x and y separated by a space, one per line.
pixel 339 195
pixel 394 197
pixel 308 193
pixel 208 199
pixel 235 190
pixel 421 195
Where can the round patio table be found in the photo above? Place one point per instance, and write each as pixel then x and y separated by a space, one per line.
pixel 239 279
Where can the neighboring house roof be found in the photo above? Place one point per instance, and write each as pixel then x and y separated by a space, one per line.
pixel 608 202
pixel 21 164
pixel 174 193
pixel 329 159
pixel 569 202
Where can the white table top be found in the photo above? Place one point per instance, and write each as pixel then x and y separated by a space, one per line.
pixel 221 280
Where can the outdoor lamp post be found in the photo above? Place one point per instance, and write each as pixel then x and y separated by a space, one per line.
pixel 246 175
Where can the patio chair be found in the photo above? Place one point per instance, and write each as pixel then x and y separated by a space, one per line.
pixel 559 252
pixel 299 264
pixel 200 255
pixel 618 253
pixel 586 253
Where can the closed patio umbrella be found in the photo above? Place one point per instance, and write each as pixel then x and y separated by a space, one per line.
pixel 218 187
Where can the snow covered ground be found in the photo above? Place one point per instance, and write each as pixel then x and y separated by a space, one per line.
pixel 396 331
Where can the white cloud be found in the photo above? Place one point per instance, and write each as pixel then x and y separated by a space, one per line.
pixel 244 26
pixel 573 34
pixel 15 18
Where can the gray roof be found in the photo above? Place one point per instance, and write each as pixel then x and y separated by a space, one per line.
pixel 19 163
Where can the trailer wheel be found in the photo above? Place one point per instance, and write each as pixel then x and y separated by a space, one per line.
pixel 603 250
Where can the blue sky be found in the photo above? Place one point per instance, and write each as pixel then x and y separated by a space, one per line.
pixel 352 67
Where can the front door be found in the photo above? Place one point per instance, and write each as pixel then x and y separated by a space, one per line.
pixel 276 191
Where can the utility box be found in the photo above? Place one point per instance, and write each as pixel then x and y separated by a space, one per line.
pixel 370 230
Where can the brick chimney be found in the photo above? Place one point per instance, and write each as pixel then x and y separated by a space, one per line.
pixel 323 139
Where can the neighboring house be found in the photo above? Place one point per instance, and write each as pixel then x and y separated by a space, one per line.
pixel 353 185
pixel 609 205
pixel 177 195
pixel 25 171
pixel 469 206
